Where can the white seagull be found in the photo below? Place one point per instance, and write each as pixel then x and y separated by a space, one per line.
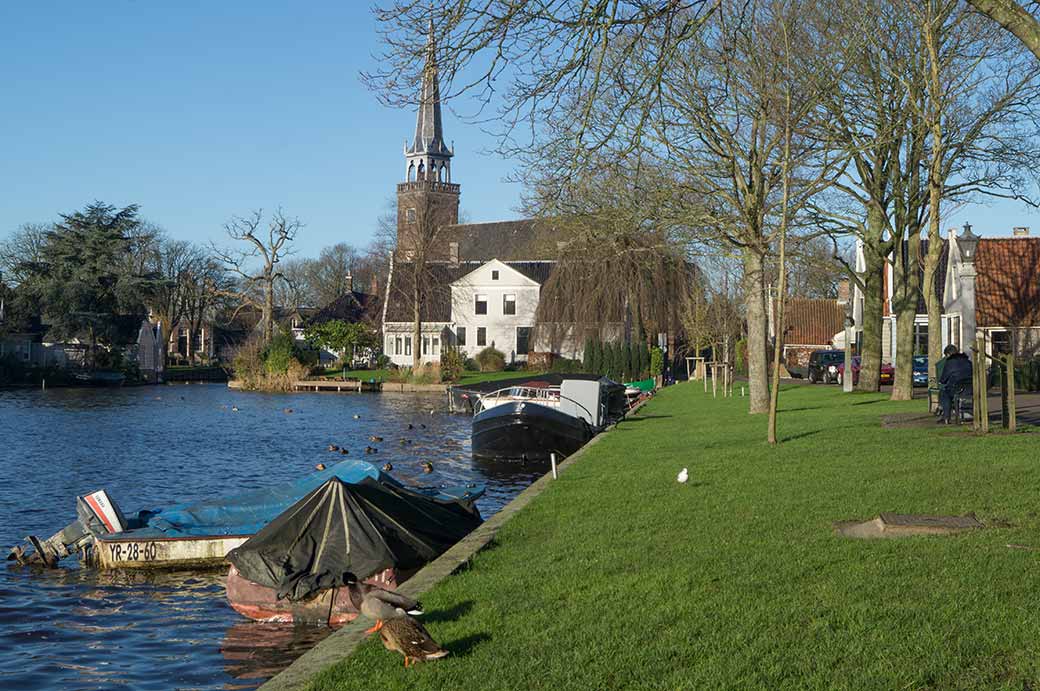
pixel 684 475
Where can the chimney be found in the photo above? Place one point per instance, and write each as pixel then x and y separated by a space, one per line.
pixel 350 283
pixel 1020 231
pixel 453 252
pixel 843 292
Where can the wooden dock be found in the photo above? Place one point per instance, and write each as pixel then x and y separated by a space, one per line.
pixel 337 385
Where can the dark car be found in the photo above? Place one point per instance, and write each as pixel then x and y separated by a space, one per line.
pixel 920 370
pixel 823 366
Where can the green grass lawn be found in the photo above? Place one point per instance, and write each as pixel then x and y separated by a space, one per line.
pixel 617 576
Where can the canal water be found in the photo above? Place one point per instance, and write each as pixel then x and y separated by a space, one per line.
pixel 79 628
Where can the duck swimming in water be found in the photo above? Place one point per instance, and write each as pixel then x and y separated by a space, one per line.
pixel 427 467
pixel 387 467
pixel 333 447
pixel 374 438
pixel 344 452
pixel 320 466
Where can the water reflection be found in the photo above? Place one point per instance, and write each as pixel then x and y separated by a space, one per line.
pixel 83 629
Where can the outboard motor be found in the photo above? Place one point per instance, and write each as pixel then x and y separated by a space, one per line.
pixel 97 515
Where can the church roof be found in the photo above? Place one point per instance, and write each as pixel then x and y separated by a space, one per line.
pixel 429 130
pixel 523 240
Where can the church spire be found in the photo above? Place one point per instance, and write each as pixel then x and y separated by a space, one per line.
pixel 428 157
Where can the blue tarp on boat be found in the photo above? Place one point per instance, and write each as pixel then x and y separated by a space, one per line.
pixel 247 513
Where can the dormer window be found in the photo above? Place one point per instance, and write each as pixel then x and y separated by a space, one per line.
pixel 494 274
pixel 480 306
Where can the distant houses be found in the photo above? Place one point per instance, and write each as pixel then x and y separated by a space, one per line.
pixel 988 287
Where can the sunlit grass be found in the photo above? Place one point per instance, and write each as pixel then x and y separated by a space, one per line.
pixel 617 576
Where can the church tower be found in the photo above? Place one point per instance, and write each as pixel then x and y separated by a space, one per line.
pixel 428 199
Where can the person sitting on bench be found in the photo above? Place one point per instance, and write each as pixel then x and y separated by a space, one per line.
pixel 955 378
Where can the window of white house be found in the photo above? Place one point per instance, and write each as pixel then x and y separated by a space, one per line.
pixel 523 340
pixel 407 345
pixel 494 274
pixel 508 304
pixel 425 345
pixel 409 215
pixel 397 346
pixel 436 345
pixel 481 336
pixel 481 305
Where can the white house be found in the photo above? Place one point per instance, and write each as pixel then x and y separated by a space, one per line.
pixel 494 305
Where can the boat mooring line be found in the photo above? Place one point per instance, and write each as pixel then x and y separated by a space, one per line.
pixel 342 643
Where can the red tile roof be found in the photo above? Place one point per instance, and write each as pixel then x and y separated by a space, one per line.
pixel 812 322
pixel 1007 284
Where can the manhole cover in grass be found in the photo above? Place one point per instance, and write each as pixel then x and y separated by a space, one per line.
pixel 902 525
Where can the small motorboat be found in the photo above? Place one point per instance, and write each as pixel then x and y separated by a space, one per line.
pixel 194 535
pixel 98 378
pixel 512 427
pixel 298 567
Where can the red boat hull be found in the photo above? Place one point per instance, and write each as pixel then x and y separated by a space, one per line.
pixel 330 607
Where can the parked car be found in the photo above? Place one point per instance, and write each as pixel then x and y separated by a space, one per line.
pixel 920 370
pixel 823 366
pixel 888 372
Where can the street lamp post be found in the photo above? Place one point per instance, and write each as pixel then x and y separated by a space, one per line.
pixel 846 379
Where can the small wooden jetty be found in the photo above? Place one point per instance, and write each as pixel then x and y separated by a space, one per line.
pixel 338 385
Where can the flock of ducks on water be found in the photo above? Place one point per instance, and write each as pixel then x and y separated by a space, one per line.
pixel 426 466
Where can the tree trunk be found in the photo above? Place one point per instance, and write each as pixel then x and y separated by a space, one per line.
pixel 416 325
pixel 268 311
pixel 907 285
pixel 754 302
pixel 778 341
pixel 1013 17
pixel 873 303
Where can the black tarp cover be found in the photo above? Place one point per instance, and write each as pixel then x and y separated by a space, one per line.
pixel 341 532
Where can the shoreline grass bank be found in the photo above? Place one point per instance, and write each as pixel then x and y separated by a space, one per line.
pixel 617 576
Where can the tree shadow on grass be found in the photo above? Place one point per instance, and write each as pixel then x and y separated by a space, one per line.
pixel 876 400
pixel 795 410
pixel 801 436
pixel 464 646
pixel 454 612
pixel 639 418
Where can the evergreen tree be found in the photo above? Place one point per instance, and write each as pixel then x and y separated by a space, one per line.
pixel 586 360
pixel 85 283
pixel 644 360
pixel 615 360
pixel 630 362
pixel 597 357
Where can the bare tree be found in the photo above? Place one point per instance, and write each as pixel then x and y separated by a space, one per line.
pixel 1015 18
pixel 265 247
pixel 22 249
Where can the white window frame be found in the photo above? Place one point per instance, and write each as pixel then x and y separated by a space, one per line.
pixel 481 336
pixel 505 303
pixel 477 300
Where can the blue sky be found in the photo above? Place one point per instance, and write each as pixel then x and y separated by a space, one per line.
pixel 201 110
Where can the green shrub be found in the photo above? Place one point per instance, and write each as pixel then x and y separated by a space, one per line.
pixel 644 360
pixel 382 361
pixel 280 353
pixel 470 365
pixel 452 364
pixel 656 362
pixel 491 360
pixel 564 365
pixel 631 365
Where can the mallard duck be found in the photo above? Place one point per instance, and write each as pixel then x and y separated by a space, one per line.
pixel 288 411
pixel 405 441
pixel 411 426
pixel 427 467
pixel 344 452
pixel 387 467
pixel 374 438
pixel 320 466
pixel 333 447
pixel 398 631
pixel 371 449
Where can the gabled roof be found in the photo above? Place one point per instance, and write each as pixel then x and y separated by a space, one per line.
pixel 812 321
pixel 437 307
pixel 1007 283
pixel 350 307
pixel 512 266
